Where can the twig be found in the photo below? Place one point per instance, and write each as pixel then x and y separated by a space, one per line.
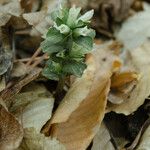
pixel 34 56
pixel 27 59
pixel 38 61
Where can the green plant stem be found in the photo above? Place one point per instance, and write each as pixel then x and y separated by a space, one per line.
pixel 60 87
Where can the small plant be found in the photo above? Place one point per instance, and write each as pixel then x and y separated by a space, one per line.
pixel 67 42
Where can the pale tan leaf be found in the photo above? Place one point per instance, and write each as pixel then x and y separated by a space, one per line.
pixel 11 132
pixel 77 132
pixel 37 141
pixel 2 83
pixel 102 140
pixel 12 8
pixel 33 108
pixel 145 140
pixel 135 30
pixel 41 20
pixel 122 83
pixel 72 100
pixel 139 58
pixel 19 69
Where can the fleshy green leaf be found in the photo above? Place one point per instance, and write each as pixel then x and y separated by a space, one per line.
pixel 54 36
pixel 84 31
pixel 48 47
pixel 74 67
pixel 77 51
pixel 72 17
pixel 52 70
pixel 85 42
pixel 64 29
pixel 87 16
pixel 53 42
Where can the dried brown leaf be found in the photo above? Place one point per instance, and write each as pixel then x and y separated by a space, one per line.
pixel 102 140
pixel 82 124
pixel 8 94
pixel 139 58
pixel 11 132
pixel 108 12
pixel 12 8
pixel 33 106
pixel 37 141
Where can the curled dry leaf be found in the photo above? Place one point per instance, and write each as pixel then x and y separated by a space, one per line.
pixel 11 132
pixel 141 140
pixel 37 141
pixel 144 142
pixel 12 8
pixel 108 12
pixel 138 58
pixel 102 140
pixel 33 108
pixel 72 100
pixel 83 120
pixel 122 84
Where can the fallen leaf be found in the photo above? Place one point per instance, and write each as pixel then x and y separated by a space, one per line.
pixel 122 78
pixel 132 34
pixel 2 83
pixel 82 123
pixel 72 100
pixel 138 58
pixel 144 142
pixel 122 83
pixel 41 20
pixel 102 140
pixel 37 141
pixel 19 69
pixel 11 132
pixel 8 94
pixel 12 8
pixel 107 12
pixel 141 139
pixel 33 108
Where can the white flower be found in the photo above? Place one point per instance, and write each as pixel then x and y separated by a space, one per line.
pixel 81 31
pixel 73 15
pixel 64 29
pixel 87 16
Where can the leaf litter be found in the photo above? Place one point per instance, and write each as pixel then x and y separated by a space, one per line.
pixel 113 91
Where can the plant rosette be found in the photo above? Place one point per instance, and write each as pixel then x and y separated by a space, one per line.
pixel 67 42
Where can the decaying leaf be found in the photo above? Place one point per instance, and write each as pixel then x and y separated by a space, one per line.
pixel 11 132
pixel 41 20
pixel 122 83
pixel 72 100
pixel 82 124
pixel 144 142
pixel 139 58
pixel 19 69
pixel 11 8
pixel 7 94
pixel 135 30
pixel 33 108
pixel 102 140
pixel 37 141
pixel 108 12
pixel 2 83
